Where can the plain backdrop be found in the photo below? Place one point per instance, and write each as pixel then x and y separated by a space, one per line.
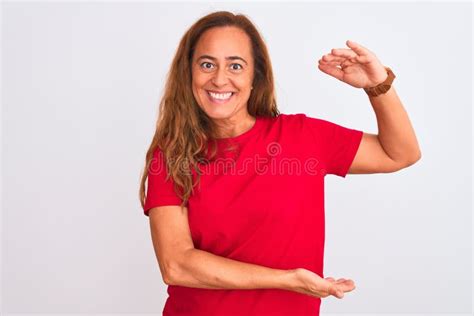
pixel 81 84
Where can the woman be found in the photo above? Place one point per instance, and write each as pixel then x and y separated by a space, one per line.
pixel 235 191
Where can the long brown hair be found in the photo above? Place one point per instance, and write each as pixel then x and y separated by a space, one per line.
pixel 183 129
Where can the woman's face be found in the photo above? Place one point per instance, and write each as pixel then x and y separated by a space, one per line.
pixel 222 73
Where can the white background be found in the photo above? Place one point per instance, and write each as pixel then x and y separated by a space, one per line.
pixel 81 84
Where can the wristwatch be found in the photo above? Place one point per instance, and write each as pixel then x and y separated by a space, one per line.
pixel 383 87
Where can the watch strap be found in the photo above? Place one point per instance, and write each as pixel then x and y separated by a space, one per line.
pixel 382 87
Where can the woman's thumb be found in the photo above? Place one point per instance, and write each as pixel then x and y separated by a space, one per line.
pixel 336 291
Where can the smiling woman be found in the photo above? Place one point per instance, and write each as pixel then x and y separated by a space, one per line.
pixel 241 231
pixel 221 53
pixel 222 76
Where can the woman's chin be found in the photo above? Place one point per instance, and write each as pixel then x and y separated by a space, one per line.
pixel 218 112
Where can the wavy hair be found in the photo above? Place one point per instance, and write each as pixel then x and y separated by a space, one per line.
pixel 183 129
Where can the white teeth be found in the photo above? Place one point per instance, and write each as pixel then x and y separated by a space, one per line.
pixel 220 96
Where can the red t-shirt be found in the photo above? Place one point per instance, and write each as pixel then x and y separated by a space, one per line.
pixel 266 208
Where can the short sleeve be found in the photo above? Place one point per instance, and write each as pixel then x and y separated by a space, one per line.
pixel 159 191
pixel 337 145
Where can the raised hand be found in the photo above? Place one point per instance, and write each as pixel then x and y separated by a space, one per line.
pixel 356 66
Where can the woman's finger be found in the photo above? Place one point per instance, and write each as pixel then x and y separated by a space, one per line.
pixel 335 291
pixel 331 57
pixel 346 286
pixel 328 288
pixel 344 52
pixel 358 48
pixel 331 63
pixel 331 70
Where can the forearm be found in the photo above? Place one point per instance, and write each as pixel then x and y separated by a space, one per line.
pixel 395 132
pixel 201 269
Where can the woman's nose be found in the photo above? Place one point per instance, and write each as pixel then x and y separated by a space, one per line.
pixel 220 77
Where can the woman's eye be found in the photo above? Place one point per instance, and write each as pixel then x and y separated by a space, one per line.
pixel 206 65
pixel 233 66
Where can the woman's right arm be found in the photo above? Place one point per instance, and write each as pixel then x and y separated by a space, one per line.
pixel 181 264
pixel 203 269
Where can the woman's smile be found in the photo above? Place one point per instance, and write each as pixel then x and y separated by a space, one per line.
pixel 219 98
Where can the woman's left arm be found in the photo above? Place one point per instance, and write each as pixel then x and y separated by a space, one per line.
pixel 395 147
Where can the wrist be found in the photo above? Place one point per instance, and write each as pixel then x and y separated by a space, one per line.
pixel 289 280
pixel 383 87
pixel 380 82
pixel 295 281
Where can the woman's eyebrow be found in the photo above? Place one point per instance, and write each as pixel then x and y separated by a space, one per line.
pixel 227 58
